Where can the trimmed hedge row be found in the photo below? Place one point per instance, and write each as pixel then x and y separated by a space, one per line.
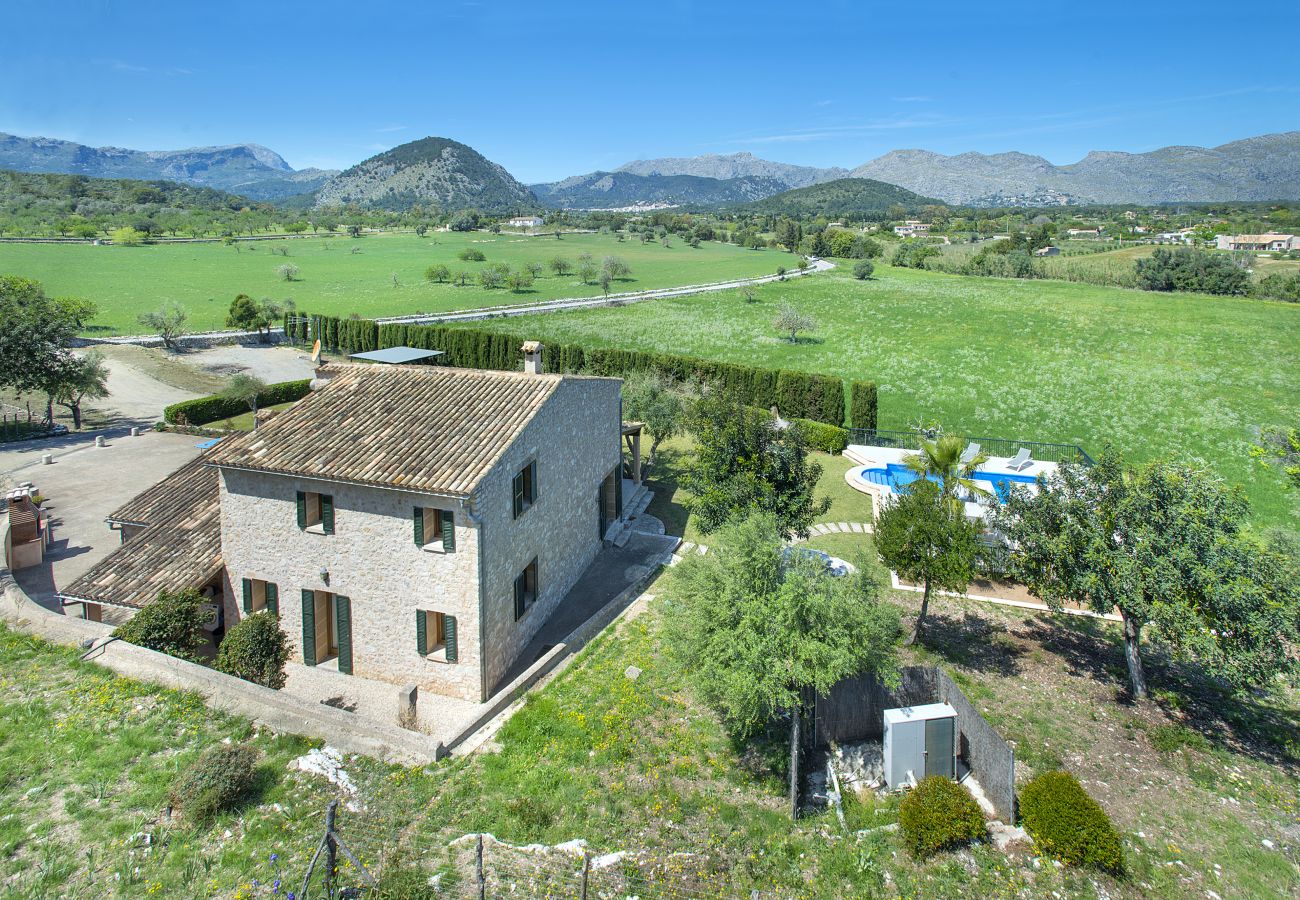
pixel 802 395
pixel 862 405
pixel 1069 825
pixel 203 410
pixel 827 438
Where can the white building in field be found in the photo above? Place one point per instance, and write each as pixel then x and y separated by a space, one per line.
pixel 526 222
pixel 1269 241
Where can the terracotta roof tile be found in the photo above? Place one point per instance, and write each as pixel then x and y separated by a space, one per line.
pixel 170 497
pixel 426 428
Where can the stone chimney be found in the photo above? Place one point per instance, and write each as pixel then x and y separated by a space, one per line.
pixel 532 357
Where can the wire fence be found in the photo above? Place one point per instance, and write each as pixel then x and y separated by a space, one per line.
pixel 911 440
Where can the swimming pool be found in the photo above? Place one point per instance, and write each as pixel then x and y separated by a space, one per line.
pixel 896 475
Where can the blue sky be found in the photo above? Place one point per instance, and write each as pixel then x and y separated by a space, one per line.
pixel 551 89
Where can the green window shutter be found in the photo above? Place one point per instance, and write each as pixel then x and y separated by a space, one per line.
pixel 273 599
pixel 418 520
pixel 449 635
pixel 519 494
pixel 448 529
pixel 248 595
pixel 422 632
pixel 343 627
pixel 327 513
pixel 309 627
pixel 302 510
pixel 519 598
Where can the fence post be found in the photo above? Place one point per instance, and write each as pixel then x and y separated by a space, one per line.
pixel 586 868
pixel 478 868
pixel 794 762
pixel 331 849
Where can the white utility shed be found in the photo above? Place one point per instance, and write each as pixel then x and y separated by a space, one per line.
pixel 919 741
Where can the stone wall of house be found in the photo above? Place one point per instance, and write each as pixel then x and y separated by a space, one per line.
pixel 372 559
pixel 576 440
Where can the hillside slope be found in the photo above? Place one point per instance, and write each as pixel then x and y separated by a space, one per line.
pixel 247 169
pixel 845 197
pixel 432 171
pixel 1259 168
pixel 734 165
pixel 605 190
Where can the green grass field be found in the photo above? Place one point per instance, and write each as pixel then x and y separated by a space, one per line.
pixel 1034 360
pixel 333 280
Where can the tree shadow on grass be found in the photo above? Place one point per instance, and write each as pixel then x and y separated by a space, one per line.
pixel 663 479
pixel 1255 724
pixel 972 642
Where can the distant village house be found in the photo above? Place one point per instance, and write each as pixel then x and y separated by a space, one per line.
pixel 1269 242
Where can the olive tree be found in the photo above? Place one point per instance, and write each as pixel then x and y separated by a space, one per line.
pixel 1167 546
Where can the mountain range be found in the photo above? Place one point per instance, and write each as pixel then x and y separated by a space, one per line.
pixel 450 175
pixel 247 169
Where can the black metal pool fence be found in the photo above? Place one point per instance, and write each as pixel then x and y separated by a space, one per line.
pixel 911 440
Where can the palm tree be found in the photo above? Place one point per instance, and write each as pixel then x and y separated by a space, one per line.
pixel 941 459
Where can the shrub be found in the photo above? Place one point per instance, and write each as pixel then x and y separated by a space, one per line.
pixel 171 623
pixel 1186 269
pixel 255 650
pixel 862 404
pixel 863 269
pixel 203 410
pixel 471 254
pixel 1067 824
pixel 939 814
pixel 820 436
pixel 215 782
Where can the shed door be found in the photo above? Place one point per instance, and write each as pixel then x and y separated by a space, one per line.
pixel 938 747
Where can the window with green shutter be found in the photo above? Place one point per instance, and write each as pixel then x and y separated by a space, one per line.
pixel 309 627
pixel 422 632
pixel 316 512
pixel 417 520
pixel 449 638
pixel 273 599
pixel 524 488
pixel 327 513
pixel 302 509
pixel 248 595
pixel 447 522
pixel 343 631
pixel 435 635
pixel 525 589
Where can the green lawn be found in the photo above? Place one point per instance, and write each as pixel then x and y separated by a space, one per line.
pixel 333 280
pixel 1035 360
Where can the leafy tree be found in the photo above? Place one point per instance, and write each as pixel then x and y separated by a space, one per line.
pixel 354 230
pixel 940 460
pixel 247 314
pixel 490 278
pixel 651 398
pixel 126 236
pixel 81 378
pixel 256 649
pixel 246 389
pixel 561 266
pixel 438 273
pixel 604 282
pixel 168 321
pixel 615 267
pixel 791 321
pixel 1186 269
pixel 519 280
pixel 863 269
pixel 462 278
pixel 1280 446
pixel 744 462
pixel 465 220
pixel 296 227
pixel 35 331
pixel 421 230
pixel 587 273
pixel 1279 287
pixel 927 539
pixel 912 255
pixel 1165 545
pixel 755 625
pixel 534 269
pixel 287 271
pixel 171 623
pixel 472 254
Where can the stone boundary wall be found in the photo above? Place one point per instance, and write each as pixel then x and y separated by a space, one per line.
pixel 273 709
pixel 989 756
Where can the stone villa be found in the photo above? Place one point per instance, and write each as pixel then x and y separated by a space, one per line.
pixel 411 524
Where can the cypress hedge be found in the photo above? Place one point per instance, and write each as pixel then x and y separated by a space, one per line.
pixel 1066 823
pixel 799 395
pixel 862 405
pixel 202 410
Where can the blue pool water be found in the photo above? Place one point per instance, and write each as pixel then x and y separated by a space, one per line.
pixel 895 475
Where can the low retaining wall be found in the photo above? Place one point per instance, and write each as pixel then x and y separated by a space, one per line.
pixel 854 711
pixel 273 709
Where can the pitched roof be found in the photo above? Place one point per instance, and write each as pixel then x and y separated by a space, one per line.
pixel 169 498
pixel 430 429
pixel 181 548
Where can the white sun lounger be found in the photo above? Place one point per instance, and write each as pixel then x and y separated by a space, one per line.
pixel 972 450
pixel 1020 461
